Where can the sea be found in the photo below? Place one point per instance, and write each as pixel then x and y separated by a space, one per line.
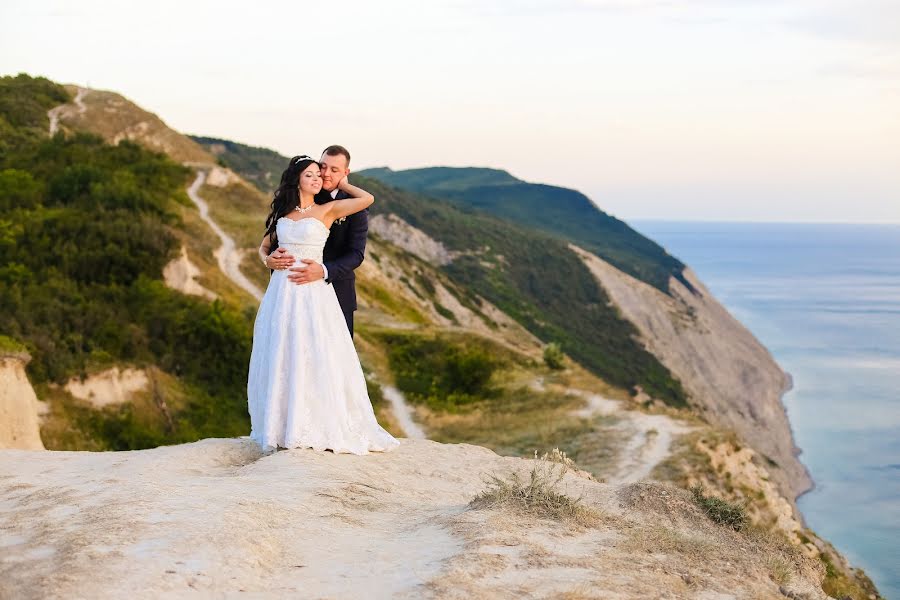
pixel 824 298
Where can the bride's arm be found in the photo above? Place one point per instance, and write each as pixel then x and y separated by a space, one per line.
pixel 359 199
pixel 280 259
pixel 263 249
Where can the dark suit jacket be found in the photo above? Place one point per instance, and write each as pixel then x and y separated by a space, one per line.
pixel 344 251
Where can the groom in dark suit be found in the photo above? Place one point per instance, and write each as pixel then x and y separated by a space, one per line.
pixel 346 245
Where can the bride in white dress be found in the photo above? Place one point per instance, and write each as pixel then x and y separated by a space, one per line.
pixel 305 387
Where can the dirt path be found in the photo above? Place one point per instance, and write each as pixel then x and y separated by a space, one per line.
pixel 56 112
pixel 650 444
pixel 227 255
pixel 649 437
pixel 403 413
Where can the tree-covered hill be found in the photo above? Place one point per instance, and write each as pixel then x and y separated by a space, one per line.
pixel 85 230
pixel 563 213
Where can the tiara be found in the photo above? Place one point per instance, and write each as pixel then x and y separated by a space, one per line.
pixel 299 159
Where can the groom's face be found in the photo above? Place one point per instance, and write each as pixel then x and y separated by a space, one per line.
pixel 334 168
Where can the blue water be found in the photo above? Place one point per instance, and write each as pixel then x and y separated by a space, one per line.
pixel 825 300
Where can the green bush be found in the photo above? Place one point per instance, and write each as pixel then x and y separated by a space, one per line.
pixel 24 102
pixel 440 372
pixel 18 189
pixel 376 393
pixel 444 311
pixel 553 356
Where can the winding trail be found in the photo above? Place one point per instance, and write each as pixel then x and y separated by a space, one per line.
pixel 227 255
pixel 56 112
pixel 649 436
pixel 649 445
pixel 403 413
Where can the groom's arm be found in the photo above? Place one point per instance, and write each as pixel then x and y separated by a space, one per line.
pixel 342 266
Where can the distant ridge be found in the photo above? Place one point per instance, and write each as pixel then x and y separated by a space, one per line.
pixel 561 212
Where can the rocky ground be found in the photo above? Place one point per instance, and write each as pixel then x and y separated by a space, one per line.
pixel 217 518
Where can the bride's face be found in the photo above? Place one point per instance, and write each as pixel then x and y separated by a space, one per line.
pixel 311 180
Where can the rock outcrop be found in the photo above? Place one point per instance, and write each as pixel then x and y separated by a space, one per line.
pixel 19 406
pixel 109 387
pixel 395 230
pixel 181 274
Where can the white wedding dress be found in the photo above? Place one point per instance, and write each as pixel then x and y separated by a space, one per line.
pixel 305 387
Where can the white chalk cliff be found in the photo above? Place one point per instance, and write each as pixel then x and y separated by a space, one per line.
pixel 19 406
pixel 730 376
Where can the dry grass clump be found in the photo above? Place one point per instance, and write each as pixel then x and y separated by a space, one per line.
pixel 720 511
pixel 780 569
pixel 538 495
pixel 557 456
pixel 658 539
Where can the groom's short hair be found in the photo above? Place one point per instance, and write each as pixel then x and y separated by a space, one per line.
pixel 337 151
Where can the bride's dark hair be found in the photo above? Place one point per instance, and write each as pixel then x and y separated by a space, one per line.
pixel 287 196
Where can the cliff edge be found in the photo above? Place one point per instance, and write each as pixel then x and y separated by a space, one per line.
pixel 217 518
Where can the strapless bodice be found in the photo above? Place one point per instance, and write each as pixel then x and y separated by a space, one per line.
pixel 303 238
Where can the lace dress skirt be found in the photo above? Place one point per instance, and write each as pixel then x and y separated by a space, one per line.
pixel 305 385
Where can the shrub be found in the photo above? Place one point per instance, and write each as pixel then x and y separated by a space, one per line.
pixel 553 356
pixel 720 511
pixel 538 496
pixel 440 372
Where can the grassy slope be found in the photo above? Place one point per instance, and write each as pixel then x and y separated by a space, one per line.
pixel 540 283
pixel 113 117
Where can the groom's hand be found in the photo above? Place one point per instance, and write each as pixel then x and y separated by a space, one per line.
pixel 305 274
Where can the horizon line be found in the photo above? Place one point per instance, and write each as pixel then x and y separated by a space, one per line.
pixel 752 221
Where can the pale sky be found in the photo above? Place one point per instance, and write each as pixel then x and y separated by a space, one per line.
pixel 764 110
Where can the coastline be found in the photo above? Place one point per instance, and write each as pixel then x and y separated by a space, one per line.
pixel 798 451
pixel 824 299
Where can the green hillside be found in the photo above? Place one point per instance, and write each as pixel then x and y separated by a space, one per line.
pixel 563 213
pixel 85 231
pixel 261 166
pixel 530 274
pixel 536 279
